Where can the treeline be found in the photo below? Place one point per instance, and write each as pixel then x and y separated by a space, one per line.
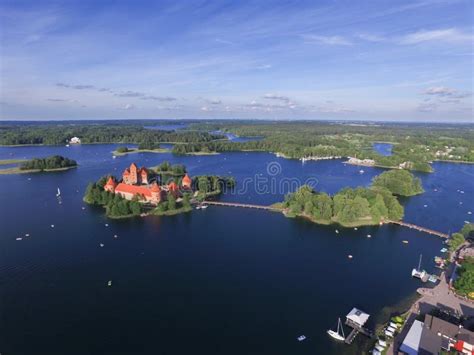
pixel 97 133
pixel 464 284
pixel 416 144
pixel 349 207
pixel 115 205
pixel 52 162
pixel 399 182
pixel 212 185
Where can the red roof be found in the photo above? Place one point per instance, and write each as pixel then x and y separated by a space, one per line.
pixel 155 187
pixel 132 189
pixel 111 182
pixel 172 186
pixel 187 179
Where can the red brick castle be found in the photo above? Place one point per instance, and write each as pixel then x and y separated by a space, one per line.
pixel 136 183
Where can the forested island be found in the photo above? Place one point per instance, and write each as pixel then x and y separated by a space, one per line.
pixel 353 207
pixel 142 148
pixel 49 164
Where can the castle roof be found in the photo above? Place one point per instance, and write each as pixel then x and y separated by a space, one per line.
pixel 155 187
pixel 186 179
pixel 172 186
pixel 111 182
pixel 133 189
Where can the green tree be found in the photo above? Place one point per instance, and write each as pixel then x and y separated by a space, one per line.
pixel 171 202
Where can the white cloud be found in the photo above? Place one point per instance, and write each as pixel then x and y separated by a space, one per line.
pixel 276 97
pixel 329 40
pixel 449 35
pixel 443 91
pixel 128 107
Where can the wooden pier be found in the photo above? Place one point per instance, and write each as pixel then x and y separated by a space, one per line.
pixel 241 205
pixel 419 228
pixel 356 329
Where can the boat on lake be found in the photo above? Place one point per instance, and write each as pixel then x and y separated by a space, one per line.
pixel 337 334
pixel 419 273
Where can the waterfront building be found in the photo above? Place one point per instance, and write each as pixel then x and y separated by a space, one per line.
pixel 75 140
pixel 134 175
pixel 436 335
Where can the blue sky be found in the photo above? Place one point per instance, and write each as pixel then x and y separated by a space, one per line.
pixel 347 60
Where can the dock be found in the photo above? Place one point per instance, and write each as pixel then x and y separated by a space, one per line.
pixel 356 329
pixel 419 228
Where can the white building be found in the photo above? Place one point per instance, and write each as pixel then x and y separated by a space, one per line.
pixel 358 317
pixel 75 140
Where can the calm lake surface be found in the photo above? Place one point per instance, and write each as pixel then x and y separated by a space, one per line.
pixel 216 281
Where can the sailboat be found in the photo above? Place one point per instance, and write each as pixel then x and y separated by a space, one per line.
pixel 335 334
pixel 59 193
pixel 421 274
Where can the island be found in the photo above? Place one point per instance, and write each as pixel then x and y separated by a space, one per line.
pixel 354 207
pixel 142 148
pixel 163 190
pixel 36 165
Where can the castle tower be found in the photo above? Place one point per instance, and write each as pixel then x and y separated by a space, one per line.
pixel 133 174
pixel 110 185
pixel 186 182
pixel 155 193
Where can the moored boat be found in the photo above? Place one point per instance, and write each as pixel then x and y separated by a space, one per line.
pixel 337 334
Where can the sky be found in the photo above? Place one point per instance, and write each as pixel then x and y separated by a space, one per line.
pixel 344 60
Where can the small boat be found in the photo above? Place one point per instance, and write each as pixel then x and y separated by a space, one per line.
pixel 52 226
pixel 115 236
pixel 83 208
pixel 20 238
pixel 67 145
pixel 58 193
pixel 461 191
pixel 369 236
pixel 421 274
pixel 204 207
pixel 355 228
pixel 336 334
pixel 114 157
pixel 27 234
pixel 444 250
pixel 109 283
pixel 106 224
pixel 101 245
pixel 361 171
pixel 425 205
pixel 337 231
pixel 198 207
pixel 469 212
pixel 379 348
pixel 350 256
pixel 405 241
pixel 301 338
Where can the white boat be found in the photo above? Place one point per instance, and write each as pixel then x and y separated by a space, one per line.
pixel 301 338
pixel 337 231
pixel 361 171
pixel 389 334
pixel 336 334
pixel 421 274
pixel 198 207
pixel 114 157
pixel 58 193
pixel 204 206
pixel 109 283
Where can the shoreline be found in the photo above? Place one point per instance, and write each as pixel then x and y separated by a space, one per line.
pixel 136 150
pixel 17 170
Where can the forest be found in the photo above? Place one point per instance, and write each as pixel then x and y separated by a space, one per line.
pixel 350 206
pixel 49 163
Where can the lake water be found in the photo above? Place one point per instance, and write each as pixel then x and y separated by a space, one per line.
pixel 383 148
pixel 216 281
